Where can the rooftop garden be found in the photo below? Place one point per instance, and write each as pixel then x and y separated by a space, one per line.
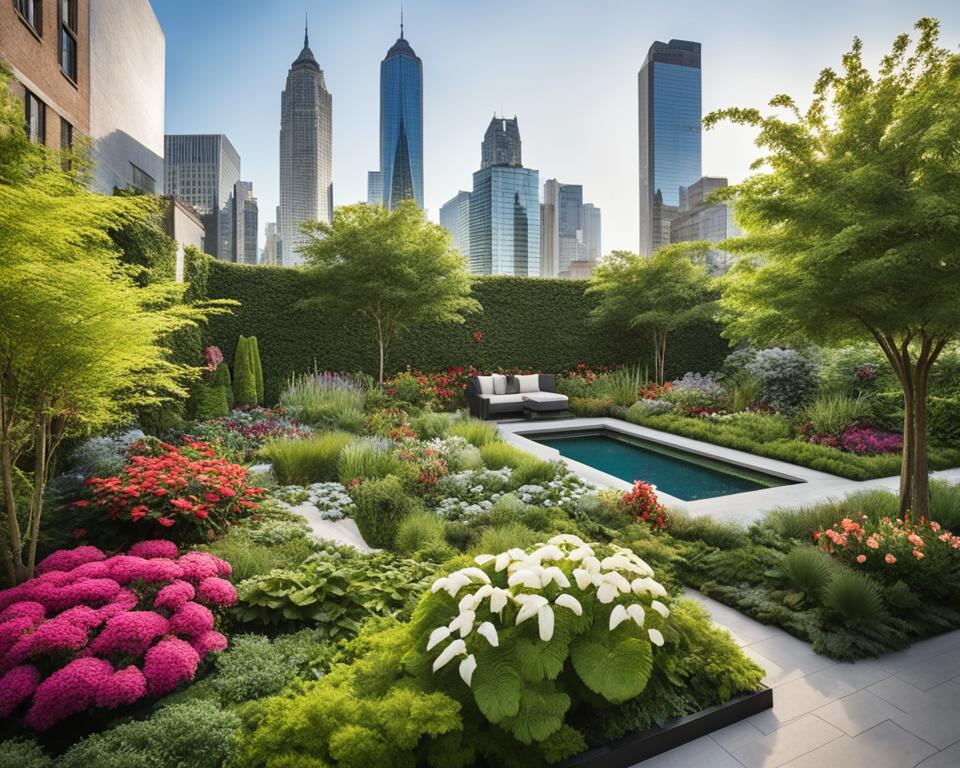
pixel 248 521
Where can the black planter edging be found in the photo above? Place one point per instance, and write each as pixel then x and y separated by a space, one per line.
pixel 643 745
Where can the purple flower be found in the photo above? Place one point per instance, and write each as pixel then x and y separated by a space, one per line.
pixel 71 689
pixel 68 559
pixel 24 608
pixel 209 641
pixel 217 591
pixel 122 687
pixel 16 687
pixel 192 620
pixel 154 548
pixel 129 634
pixel 174 596
pixel 169 663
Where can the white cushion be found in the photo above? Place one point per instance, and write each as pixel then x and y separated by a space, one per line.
pixel 486 385
pixel 499 384
pixel 545 397
pixel 529 382
pixel 498 399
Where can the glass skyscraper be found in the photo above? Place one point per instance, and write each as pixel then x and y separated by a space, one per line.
pixel 669 117
pixel 501 143
pixel 505 221
pixel 306 153
pixel 455 218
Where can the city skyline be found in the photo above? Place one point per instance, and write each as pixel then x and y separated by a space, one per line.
pixel 594 144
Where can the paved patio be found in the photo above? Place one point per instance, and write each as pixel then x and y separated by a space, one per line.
pixel 900 710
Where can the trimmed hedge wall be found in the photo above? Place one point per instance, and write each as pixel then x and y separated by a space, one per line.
pixel 525 322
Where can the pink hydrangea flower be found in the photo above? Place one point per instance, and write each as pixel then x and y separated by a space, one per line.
pixel 129 634
pixel 10 633
pixel 124 600
pixel 27 608
pixel 174 596
pixel 69 690
pixel 217 591
pixel 51 636
pixel 199 565
pixel 16 686
pixel 82 616
pixel 192 620
pixel 169 663
pixel 122 687
pixel 154 548
pixel 209 641
pixel 82 592
pixel 68 559
pixel 124 569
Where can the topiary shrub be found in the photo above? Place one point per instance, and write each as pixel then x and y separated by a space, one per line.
pixel 787 378
pixel 244 377
pixel 257 367
pixel 381 505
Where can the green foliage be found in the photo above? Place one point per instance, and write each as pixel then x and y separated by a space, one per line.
pixel 615 665
pixel 944 419
pixel 211 400
pixel 337 591
pixel 367 459
pixel 244 374
pixel 429 425
pixel 807 570
pixel 23 753
pixel 622 384
pixel 250 558
pixel 590 407
pixel 500 538
pixel 305 460
pixel 527 468
pixel 945 504
pixel 799 523
pixel 382 504
pixel 419 531
pixel 854 598
pixel 832 414
pixel 257 367
pixel 716 533
pixel 198 734
pixel 475 432
pixel 221 378
pixel 313 398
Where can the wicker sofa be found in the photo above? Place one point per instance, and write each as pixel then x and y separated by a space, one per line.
pixel 498 395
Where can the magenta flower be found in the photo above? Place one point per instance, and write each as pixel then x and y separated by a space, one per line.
pixel 154 548
pixel 16 687
pixel 68 559
pixel 192 620
pixel 84 591
pixel 209 641
pixel 129 634
pixel 122 687
pixel 51 636
pixel 217 591
pixel 82 616
pixel 124 569
pixel 10 633
pixel 199 565
pixel 27 608
pixel 69 690
pixel 124 600
pixel 174 596
pixel 169 663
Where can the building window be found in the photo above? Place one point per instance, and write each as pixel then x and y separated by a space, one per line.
pixel 31 11
pixel 66 144
pixel 68 38
pixel 142 181
pixel 35 118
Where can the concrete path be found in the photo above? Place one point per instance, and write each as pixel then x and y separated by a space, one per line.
pixel 343 531
pixel 897 711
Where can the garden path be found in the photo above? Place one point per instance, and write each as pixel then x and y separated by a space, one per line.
pixel 899 710
pixel 343 531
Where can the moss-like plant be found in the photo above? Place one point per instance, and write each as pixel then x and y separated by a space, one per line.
pixel 419 531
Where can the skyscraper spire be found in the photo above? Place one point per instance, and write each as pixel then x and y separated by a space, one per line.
pixel 401 19
pixel 306 38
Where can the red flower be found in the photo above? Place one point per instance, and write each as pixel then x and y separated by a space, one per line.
pixel 181 504
pixel 81 504
pixel 165 521
pixel 200 513
pixel 212 497
pixel 139 511
pixel 225 491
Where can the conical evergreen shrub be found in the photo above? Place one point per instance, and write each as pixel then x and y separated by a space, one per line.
pixel 244 379
pixel 221 379
pixel 257 367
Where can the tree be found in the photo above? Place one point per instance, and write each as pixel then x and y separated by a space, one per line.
pixel 81 344
pixel 656 295
pixel 854 225
pixel 393 269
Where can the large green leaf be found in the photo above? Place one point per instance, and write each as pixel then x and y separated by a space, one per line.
pixel 540 715
pixel 616 665
pixel 539 660
pixel 496 687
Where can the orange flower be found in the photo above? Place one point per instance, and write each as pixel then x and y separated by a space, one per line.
pixel 890 559
pixel 861 558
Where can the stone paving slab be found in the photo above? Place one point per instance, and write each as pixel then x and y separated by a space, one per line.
pixel 897 711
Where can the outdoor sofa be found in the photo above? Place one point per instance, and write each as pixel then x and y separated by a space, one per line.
pixel 503 395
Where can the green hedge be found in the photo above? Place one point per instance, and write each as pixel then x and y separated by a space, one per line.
pixel 527 322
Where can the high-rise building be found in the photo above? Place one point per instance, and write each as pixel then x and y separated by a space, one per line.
pixel 700 219
pixel 591 232
pixel 505 221
pixel 669 118
pixel 501 143
pixel 455 217
pixel 549 261
pixel 270 244
pixel 374 188
pixel 563 231
pixel 246 223
pixel 306 153
pixel 401 125
pixel 203 170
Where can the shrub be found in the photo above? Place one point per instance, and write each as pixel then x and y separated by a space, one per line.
pixel 335 590
pixel 23 753
pixel 875 504
pixel 943 414
pixel 800 523
pixel 757 426
pixel 323 398
pixel 421 530
pixel 945 504
pixel 651 407
pixel 854 598
pixel 476 432
pixel 184 493
pixel 250 558
pixel 244 374
pixel 198 733
pixel 382 504
pixel 257 366
pixel 242 433
pixel 527 468
pixel 694 390
pixel 369 458
pixel 852 372
pixel 430 425
pixel 832 414
pixel 500 538
pixel 787 378
pixel 716 533
pixel 307 460
pixel 100 456
pixel 807 570
pixel 642 504
pixel 590 407
pixel 97 631
pixel 622 384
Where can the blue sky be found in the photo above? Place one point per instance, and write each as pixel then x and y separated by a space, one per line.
pixel 566 68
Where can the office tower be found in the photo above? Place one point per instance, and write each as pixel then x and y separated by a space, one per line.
pixel 501 143
pixel 374 188
pixel 591 231
pixel 401 125
pixel 182 223
pixel 455 217
pixel 306 153
pixel 549 262
pixel 127 55
pixel 669 121
pixel 246 223
pixel 270 244
pixel 562 243
pixel 699 219
pixel 202 170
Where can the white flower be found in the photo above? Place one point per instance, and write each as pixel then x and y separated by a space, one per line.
pixel 545 623
pixel 467 667
pixel 660 608
pixel 547 552
pixel 498 599
pixel 583 578
pixel 617 616
pixel 646 584
pixel 437 636
pixel 607 592
pixel 489 632
pixel 569 601
pixel 525 577
pixel 566 538
pixel 636 613
pixel 502 561
pixel 590 564
pixel 475 573
pixel 615 561
pixel 456 648
pixel 656 636
pixel 579 553
pixel 554 574
pixel 618 581
pixel 463 623
pixel 529 605
pixel 468 602
pixel 484 559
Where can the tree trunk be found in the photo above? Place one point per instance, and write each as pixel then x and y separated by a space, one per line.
pixel 907 461
pixel 40 465
pixel 920 482
pixel 12 559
